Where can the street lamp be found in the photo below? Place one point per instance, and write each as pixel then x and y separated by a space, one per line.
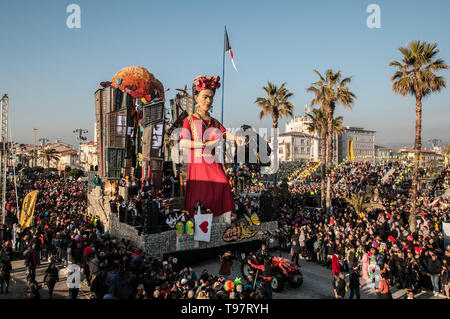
pixel 44 141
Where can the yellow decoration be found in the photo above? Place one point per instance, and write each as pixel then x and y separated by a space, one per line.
pixel 29 203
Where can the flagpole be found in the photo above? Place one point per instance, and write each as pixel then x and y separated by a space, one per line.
pixel 223 72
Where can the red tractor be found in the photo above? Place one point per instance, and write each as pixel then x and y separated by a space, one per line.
pixel 282 270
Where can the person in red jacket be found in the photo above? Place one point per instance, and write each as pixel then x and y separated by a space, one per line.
pixel 335 265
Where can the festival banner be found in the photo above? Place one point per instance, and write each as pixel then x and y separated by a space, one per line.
pixel 203 224
pixel 29 203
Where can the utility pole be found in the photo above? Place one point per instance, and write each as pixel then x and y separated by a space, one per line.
pixel 35 150
pixel 44 141
pixel 4 151
pixel 80 138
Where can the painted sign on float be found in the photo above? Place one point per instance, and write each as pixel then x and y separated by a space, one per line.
pixel 186 242
pixel 239 231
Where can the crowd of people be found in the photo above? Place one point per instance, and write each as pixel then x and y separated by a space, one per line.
pixel 63 234
pixel 378 251
pixel 381 246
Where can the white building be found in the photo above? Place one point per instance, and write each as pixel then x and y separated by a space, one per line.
pixel 25 153
pixel 358 142
pixel 297 146
pixel 297 143
pixel 88 155
pixel 68 158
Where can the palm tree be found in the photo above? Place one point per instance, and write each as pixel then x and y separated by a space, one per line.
pixel 361 204
pixel 416 75
pixel 446 150
pixel 338 128
pixel 33 155
pixel 275 104
pixel 50 154
pixel 317 123
pixel 328 92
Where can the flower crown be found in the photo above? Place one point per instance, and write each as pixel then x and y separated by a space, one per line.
pixel 206 83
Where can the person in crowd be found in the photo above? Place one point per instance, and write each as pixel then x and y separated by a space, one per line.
pixel 444 279
pixel 51 277
pixel 409 294
pixel 384 291
pixel 354 283
pixel 434 268
pixel 339 286
pixel 5 274
pixel 226 265
pixel 32 289
pixel 295 247
pixel 31 260
pixel 381 241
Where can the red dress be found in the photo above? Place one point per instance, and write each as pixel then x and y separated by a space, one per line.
pixel 206 180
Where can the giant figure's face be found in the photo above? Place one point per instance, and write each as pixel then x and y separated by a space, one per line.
pixel 205 99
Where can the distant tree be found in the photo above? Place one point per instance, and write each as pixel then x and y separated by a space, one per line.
pixel 361 204
pixel 330 91
pixel 446 150
pixel 277 105
pixel 38 169
pixel 318 123
pixel 50 154
pixel 33 155
pixel 75 173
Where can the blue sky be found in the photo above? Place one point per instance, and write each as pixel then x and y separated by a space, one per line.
pixel 51 72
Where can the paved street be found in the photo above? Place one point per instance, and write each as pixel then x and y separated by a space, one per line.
pixel 17 286
pixel 317 282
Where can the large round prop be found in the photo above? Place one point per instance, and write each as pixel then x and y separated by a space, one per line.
pixel 138 82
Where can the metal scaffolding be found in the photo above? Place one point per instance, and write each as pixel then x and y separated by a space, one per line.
pixel 4 151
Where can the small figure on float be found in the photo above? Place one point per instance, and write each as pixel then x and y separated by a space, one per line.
pixel 206 180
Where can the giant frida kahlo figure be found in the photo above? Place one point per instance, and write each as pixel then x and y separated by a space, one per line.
pixel 201 134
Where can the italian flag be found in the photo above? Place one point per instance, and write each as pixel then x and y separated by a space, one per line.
pixel 228 49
